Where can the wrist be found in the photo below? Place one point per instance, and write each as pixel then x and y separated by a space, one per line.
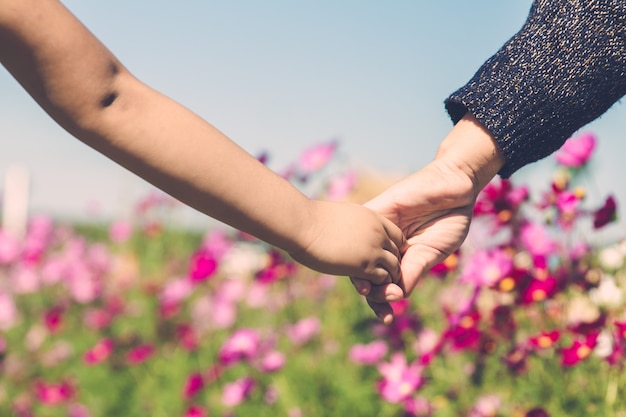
pixel 470 151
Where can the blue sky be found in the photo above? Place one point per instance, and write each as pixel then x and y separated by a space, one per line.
pixel 280 76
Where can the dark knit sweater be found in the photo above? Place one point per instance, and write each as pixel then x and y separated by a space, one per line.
pixel 563 69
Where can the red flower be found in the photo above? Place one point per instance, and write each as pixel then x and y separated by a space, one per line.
pixel 579 350
pixel 139 354
pixel 605 214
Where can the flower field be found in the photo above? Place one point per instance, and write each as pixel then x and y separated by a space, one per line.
pixel 137 318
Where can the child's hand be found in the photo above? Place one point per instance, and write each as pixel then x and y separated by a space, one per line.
pixel 352 240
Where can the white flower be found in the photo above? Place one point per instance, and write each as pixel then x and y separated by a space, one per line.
pixel 612 257
pixel 607 294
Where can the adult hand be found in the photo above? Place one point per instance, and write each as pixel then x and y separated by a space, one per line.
pixel 433 207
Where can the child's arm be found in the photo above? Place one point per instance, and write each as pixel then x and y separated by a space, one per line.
pixel 82 86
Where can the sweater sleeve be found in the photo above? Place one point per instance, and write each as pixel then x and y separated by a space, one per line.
pixel 562 70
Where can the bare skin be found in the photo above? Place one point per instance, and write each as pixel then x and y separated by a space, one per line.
pixel 87 91
pixel 434 206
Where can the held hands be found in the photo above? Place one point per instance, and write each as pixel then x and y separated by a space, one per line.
pixel 433 207
pixel 351 240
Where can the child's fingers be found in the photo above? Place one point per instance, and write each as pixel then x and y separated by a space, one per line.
pixel 382 310
pixel 362 286
pixel 391 264
pixel 398 243
pixel 385 293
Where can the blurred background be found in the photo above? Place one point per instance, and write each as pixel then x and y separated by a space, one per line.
pixel 279 76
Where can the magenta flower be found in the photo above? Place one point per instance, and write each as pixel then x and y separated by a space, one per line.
pixel 316 157
pixel 399 380
pixel 53 319
pixel 99 352
pixel 236 392
pixel 196 411
pixel 605 214
pixel 368 354
pixel 243 344
pixel 193 385
pixel 539 290
pixel 54 393
pixel 487 268
pixel 139 354
pixel 575 152
pixel 579 350
pixel 202 266
pixel 304 330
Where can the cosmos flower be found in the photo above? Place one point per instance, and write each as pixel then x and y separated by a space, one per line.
pixel 576 151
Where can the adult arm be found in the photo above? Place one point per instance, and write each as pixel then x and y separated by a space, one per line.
pixel 563 69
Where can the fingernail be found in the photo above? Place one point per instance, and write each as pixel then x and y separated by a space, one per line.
pixel 394 294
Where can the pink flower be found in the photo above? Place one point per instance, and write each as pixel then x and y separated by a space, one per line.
pixel 243 344
pixel 537 240
pixel 273 361
pixel 301 332
pixel 78 410
pixel 99 352
pixel 487 268
pixel 236 392
pixel 9 248
pixel 194 384
pixel 399 380
pixel 139 354
pixel 120 231
pixel 97 318
pixel 54 393
pixel 486 406
pixel 575 152
pixel 187 337
pixel 368 354
pixel 341 186
pixel 316 157
pixel 175 291
pixel 8 311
